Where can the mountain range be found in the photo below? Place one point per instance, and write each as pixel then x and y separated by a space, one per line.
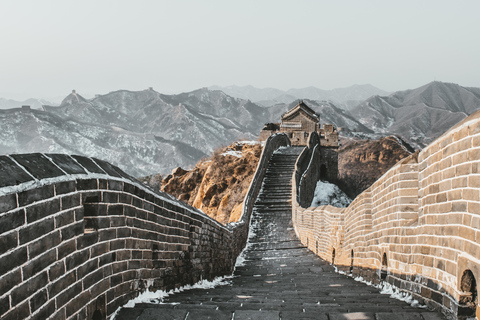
pixel 269 96
pixel 143 132
pixel 419 115
pixel 33 103
pixel 146 132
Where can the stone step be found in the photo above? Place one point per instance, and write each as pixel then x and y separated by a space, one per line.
pixel 280 278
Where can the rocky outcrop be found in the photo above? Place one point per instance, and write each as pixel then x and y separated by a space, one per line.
pixel 217 185
pixel 362 162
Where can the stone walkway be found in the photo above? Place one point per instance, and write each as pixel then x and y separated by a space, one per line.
pixel 280 279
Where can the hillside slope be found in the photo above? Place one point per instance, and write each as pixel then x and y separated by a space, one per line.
pixel 218 184
pixel 270 96
pixel 138 154
pixel 362 162
pixel 146 132
pixel 142 132
pixel 419 115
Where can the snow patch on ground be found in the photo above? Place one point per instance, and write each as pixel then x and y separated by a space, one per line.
pixel 237 154
pixel 329 193
pixel 241 259
pixel 249 142
pixel 158 296
pixel 387 288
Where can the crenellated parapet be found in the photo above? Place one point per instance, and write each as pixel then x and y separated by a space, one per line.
pixel 79 237
pixel 417 227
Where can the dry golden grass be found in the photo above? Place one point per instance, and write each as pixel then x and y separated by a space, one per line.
pixel 218 184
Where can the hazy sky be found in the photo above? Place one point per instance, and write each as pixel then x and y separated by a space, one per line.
pixel 49 48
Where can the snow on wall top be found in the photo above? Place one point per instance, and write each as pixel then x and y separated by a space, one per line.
pixel 20 172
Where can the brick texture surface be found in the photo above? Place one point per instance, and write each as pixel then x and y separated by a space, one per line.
pixel 89 241
pixel 417 227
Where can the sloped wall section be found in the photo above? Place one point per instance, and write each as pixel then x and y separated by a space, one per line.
pixel 417 227
pixel 79 237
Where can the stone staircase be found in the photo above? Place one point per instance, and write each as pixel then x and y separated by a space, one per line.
pixel 280 278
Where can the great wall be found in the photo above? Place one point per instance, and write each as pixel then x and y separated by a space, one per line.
pixel 417 227
pixel 79 237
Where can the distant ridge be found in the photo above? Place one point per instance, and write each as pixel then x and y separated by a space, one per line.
pixel 33 103
pixel 72 98
pixel 271 96
pixel 420 115
pixel 146 132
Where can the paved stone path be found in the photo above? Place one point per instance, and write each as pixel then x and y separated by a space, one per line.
pixel 281 279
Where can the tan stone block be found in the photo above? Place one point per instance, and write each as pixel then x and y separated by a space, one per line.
pixel 445 185
pixel 467 220
pixel 465 144
pixel 451 230
pixel 463 169
pixel 418 259
pixel 449 150
pixel 408 192
pixel 475 222
pixel 408 184
pixel 433 209
pixel 454 194
pixel 445 163
pixel 448 173
pixel 476 141
pixel 460 158
pixel 460 182
pixel 423 164
pixel 451 268
pixel 458 244
pixel 436 177
pixel 425 250
pixel 430 199
pixel 442 219
pixel 472 249
pixel 467 233
pixel 445 207
pixel 471 194
pixel 476 167
pixel 431 219
pixel 441 197
pixel 428 261
pixel 440 264
pixel 473 207
pixel 460 134
pixel 474 128
pixel 474 181
pixel 474 154
pixel 454 218
pixel 408 176
pixel 446 140
pixel 434 188
pixel 434 147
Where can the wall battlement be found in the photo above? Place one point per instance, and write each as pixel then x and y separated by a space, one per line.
pixel 79 237
pixel 417 227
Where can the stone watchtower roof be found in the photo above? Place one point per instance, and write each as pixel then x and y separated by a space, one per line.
pixel 301 106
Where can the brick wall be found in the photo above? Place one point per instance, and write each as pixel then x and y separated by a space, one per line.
pixel 417 227
pixel 78 235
